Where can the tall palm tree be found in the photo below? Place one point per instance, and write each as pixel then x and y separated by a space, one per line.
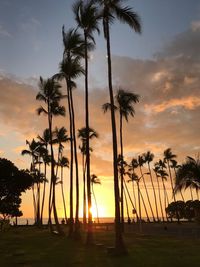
pixel 188 175
pixel 95 180
pixel 50 94
pixel 63 162
pixel 141 162
pixel 70 68
pixel 112 9
pixel 148 157
pixel 87 19
pixel 82 134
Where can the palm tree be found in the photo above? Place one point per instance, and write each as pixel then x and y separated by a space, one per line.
pixel 83 136
pixel 168 157
pixel 188 175
pixel 63 162
pixel 156 171
pixel 70 68
pixel 163 174
pixel 44 140
pixel 175 166
pixel 112 9
pixel 50 94
pixel 148 157
pixel 141 162
pixel 95 180
pixel 32 151
pixel 87 19
pixel 125 101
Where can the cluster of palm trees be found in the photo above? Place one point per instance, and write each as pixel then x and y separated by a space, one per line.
pixel 77 43
pixel 166 172
pixel 88 15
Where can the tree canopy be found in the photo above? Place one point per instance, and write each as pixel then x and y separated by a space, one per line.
pixel 12 183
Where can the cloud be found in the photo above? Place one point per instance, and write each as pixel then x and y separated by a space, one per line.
pixel 190 103
pixel 166 116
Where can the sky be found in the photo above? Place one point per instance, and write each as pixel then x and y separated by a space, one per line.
pixel 162 65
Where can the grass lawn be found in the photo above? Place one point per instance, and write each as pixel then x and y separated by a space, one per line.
pixel 30 247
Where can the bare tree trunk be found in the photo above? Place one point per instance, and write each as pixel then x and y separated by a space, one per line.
pixel 119 243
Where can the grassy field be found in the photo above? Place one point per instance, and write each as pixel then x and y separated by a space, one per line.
pixel 30 247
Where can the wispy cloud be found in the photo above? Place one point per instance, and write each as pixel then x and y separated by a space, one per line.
pixel 190 103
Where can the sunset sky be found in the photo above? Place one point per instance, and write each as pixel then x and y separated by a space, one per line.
pixel 162 65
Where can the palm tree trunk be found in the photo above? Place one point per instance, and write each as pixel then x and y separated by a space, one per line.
pixel 127 210
pixel 44 192
pixel 147 194
pixel 139 207
pixel 154 192
pixel 53 177
pixel 84 193
pixel 89 239
pixel 173 193
pixel 71 221
pixel 159 195
pixel 95 201
pixel 63 197
pixel 122 177
pixel 77 223
pixel 133 206
pixel 119 243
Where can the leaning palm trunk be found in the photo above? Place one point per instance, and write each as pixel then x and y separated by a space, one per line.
pixel 89 200
pixel 147 194
pixel 154 192
pixel 133 205
pixel 159 195
pixel 166 199
pixel 119 244
pixel 95 201
pixel 172 187
pixel 63 196
pixel 71 220
pixel 44 192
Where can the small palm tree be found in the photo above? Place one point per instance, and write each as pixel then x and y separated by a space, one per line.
pixel 141 162
pixel 83 136
pixel 63 162
pixel 124 104
pixel 44 140
pixel 148 157
pixel 32 151
pixel 95 180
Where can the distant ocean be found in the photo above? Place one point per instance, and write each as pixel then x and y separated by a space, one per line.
pixel 30 221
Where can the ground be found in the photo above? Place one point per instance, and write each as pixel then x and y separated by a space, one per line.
pixel 28 246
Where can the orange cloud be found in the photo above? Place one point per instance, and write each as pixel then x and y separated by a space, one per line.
pixel 190 103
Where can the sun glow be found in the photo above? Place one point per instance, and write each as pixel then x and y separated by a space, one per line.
pixel 101 211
